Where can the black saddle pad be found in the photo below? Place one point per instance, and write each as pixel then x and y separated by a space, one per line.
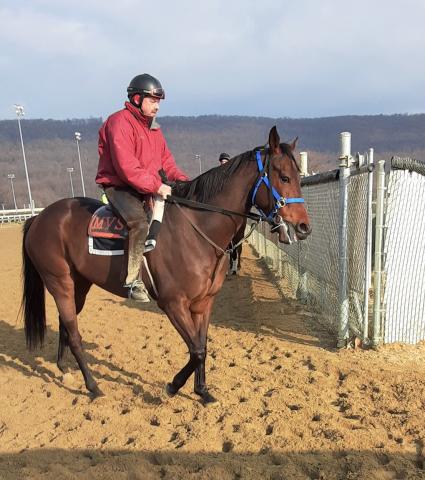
pixel 106 246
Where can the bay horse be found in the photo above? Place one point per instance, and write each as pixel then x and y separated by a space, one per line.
pixel 187 264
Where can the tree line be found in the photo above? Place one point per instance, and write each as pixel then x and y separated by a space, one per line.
pixel 50 146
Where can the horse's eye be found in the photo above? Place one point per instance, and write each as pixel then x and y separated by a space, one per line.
pixel 284 179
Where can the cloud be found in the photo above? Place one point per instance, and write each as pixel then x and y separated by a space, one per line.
pixel 304 58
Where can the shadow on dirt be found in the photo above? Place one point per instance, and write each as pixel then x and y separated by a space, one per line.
pixel 237 307
pixel 104 463
pixel 42 362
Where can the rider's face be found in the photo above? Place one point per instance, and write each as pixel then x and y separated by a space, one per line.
pixel 150 106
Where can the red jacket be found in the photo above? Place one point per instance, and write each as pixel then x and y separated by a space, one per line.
pixel 131 151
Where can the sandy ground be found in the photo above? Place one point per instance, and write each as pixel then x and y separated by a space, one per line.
pixel 290 406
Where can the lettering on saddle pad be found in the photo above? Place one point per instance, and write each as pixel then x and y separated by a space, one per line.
pixel 105 224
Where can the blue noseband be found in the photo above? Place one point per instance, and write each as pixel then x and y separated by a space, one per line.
pixel 279 201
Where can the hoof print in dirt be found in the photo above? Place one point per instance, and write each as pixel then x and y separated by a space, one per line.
pixel 152 400
pixel 269 429
pixel 155 422
pixel 227 446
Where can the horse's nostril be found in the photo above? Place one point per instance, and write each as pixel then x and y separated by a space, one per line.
pixel 303 228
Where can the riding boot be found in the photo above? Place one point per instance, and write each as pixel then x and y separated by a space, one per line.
pixel 136 240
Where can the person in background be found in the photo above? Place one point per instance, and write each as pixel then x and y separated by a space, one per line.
pixel 132 149
pixel 223 158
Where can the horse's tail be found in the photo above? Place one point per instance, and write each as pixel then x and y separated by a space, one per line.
pixel 33 297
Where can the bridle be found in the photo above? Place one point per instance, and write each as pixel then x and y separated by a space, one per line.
pixel 276 199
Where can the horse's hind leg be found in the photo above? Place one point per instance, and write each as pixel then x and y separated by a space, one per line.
pixel 62 288
pixel 81 288
pixel 63 346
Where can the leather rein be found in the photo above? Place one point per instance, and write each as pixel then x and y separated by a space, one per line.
pixel 263 177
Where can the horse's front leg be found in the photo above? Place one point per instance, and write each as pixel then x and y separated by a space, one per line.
pixel 200 387
pixel 181 319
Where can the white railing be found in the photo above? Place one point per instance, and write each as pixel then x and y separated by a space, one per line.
pixel 17 216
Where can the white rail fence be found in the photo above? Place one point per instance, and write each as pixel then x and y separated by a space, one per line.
pixel 331 271
pixel 16 216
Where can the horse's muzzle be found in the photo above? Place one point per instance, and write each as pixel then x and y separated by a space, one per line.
pixel 302 230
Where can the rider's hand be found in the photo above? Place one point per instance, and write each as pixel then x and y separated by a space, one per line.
pixel 164 191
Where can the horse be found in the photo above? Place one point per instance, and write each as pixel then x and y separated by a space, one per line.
pixel 187 266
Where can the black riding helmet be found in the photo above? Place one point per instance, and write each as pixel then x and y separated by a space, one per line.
pixel 224 157
pixel 145 85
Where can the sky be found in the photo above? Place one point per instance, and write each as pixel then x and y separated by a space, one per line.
pixel 277 58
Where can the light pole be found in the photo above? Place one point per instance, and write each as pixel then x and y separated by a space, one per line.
pixel 198 157
pixel 11 176
pixel 20 113
pixel 77 139
pixel 70 170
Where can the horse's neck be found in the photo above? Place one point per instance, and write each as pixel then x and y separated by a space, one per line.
pixel 235 195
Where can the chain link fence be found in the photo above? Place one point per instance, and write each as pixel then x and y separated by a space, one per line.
pixel 308 270
pixel 311 271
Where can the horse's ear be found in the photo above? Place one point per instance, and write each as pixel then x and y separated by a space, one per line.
pixel 274 140
pixel 293 145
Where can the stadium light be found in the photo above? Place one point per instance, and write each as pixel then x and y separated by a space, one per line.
pixel 77 139
pixel 70 170
pixel 20 113
pixel 11 176
pixel 198 157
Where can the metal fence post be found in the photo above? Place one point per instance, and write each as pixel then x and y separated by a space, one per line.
pixel 304 164
pixel 344 180
pixel 368 250
pixel 379 233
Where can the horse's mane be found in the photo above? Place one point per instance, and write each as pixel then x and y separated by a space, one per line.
pixel 212 182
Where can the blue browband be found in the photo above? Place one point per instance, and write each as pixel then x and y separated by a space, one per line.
pixel 279 201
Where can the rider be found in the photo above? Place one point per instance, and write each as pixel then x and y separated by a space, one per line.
pixel 132 149
pixel 223 158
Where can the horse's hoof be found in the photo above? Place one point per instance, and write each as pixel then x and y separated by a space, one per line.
pixel 96 392
pixel 62 368
pixel 170 390
pixel 207 398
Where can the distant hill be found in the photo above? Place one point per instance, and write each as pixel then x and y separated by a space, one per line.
pixel 50 145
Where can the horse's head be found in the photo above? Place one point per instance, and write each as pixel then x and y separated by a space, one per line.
pixel 283 203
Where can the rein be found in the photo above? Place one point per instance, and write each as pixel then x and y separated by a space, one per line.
pixel 211 208
pixel 279 202
pixel 208 239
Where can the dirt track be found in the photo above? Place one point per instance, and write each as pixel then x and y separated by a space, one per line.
pixel 290 407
